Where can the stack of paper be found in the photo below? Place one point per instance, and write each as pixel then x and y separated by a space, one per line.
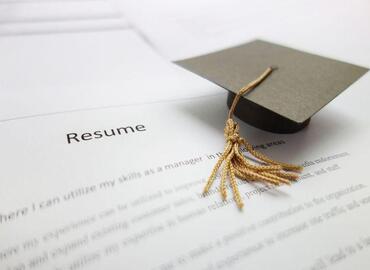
pixel 106 147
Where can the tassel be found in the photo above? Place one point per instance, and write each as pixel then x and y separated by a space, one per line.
pixel 237 165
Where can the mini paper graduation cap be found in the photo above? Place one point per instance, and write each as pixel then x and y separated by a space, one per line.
pixel 302 85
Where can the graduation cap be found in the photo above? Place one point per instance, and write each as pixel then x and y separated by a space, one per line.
pixel 282 103
pixel 303 84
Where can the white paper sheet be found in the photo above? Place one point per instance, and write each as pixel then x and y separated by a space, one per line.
pixel 71 71
pixel 181 29
pixel 33 17
pixel 36 11
pixel 132 201
pixel 61 26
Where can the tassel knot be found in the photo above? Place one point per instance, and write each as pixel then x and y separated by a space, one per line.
pixel 232 131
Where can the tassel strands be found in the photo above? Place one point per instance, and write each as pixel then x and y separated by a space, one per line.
pixel 235 164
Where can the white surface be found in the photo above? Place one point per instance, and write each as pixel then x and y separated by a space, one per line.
pixel 72 71
pixel 61 26
pixel 181 29
pixel 52 85
pixel 35 17
pixel 37 11
pixel 39 168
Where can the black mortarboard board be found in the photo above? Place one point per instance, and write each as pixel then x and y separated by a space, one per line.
pixel 285 102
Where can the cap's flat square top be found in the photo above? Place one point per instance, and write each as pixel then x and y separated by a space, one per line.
pixel 302 85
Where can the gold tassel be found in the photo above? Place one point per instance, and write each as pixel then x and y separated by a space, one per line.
pixel 237 165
